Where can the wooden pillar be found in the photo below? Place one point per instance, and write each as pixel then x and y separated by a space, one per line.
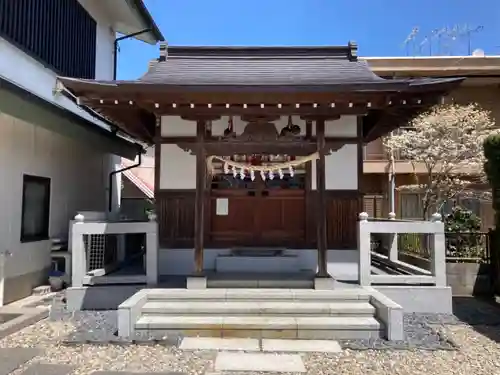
pixel 321 202
pixel 199 215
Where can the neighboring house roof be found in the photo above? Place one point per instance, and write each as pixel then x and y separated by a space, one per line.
pixel 143 176
pixel 139 183
pixel 432 66
pixel 132 16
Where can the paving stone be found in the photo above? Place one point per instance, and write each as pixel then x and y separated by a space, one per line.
pixel 13 358
pixel 47 369
pixel 215 343
pixel 323 346
pixel 259 362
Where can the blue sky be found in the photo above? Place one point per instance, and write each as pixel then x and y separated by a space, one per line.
pixel 380 27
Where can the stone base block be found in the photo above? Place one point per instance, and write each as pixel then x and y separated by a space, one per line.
pixel 269 264
pixel 324 283
pixel 196 282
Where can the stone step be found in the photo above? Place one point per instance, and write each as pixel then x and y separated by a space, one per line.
pixel 255 295
pixel 285 308
pixel 268 280
pixel 264 326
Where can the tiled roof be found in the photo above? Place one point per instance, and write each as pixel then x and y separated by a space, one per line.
pixel 259 66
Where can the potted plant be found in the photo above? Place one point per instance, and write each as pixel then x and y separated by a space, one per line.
pixel 56 280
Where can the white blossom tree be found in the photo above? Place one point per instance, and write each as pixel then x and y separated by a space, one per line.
pixel 447 141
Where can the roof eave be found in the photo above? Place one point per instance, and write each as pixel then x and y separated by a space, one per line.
pixel 390 85
pixel 139 7
pixel 119 145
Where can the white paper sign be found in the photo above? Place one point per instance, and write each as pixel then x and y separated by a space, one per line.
pixel 222 207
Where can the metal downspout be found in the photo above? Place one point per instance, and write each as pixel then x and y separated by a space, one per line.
pixel 110 192
pixel 115 55
pixel 115 65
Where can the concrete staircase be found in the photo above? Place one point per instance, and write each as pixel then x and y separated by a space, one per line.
pixel 257 313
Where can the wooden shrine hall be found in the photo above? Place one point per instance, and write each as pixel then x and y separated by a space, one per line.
pixel 258 147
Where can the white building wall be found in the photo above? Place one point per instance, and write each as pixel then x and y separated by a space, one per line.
pixel 105 38
pixel 79 173
pixel 32 75
pixel 78 179
pixel 178 168
pixel 23 70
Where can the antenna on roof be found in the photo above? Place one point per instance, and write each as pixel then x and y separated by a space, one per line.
pixel 410 39
pixel 441 41
pixel 423 43
pixel 467 33
pixel 438 34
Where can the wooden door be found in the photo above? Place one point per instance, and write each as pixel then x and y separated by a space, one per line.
pixel 238 227
pixel 280 218
pixel 259 218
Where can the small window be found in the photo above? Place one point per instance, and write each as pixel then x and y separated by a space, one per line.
pixel 36 208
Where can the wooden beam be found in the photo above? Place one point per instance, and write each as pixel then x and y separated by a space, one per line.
pixel 309 196
pixel 321 196
pixel 201 117
pixel 243 148
pixel 157 174
pixel 320 117
pixel 199 218
pixel 268 110
pixel 308 139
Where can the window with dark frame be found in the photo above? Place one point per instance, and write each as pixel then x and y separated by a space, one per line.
pixel 35 208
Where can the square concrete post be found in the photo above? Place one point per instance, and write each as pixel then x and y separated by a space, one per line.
pixel 438 251
pixel 152 254
pixel 78 255
pixel 393 241
pixel 393 246
pixel 364 248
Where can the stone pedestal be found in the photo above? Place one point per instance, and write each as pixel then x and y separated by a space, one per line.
pixel 196 282
pixel 324 283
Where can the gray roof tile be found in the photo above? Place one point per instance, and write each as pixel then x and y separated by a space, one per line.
pixel 259 66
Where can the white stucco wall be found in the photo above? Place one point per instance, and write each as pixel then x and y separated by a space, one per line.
pixel 105 38
pixel 78 178
pixel 23 70
pixel 178 168
pixel 79 174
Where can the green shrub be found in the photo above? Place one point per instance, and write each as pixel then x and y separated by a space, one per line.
pixel 463 237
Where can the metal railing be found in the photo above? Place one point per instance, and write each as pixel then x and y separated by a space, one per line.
pixel 460 246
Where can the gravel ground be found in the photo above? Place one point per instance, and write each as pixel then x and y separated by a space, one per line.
pixel 474 348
